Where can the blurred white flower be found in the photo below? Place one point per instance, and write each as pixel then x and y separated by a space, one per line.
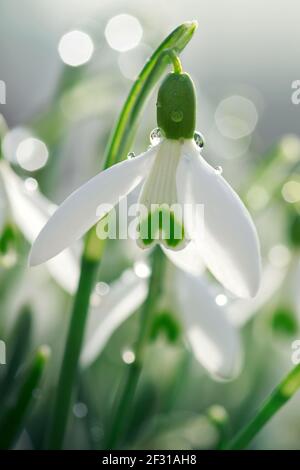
pixel 211 336
pixel 125 296
pixel 30 211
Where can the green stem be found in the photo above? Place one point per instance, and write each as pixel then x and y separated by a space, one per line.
pixel 175 61
pixel 68 370
pixel 117 149
pixel 127 395
pixel 12 420
pixel 280 395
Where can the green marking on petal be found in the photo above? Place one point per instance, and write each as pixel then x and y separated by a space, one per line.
pixel 161 224
pixel 165 323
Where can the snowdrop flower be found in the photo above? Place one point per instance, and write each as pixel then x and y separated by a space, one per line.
pixel 211 336
pixel 30 211
pixel 171 172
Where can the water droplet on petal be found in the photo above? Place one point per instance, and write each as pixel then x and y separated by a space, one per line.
pixel 155 136
pixel 130 155
pixel 199 140
pixel 219 170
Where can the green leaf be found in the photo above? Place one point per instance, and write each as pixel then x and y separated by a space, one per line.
pixel 13 419
pixel 280 395
pixel 19 342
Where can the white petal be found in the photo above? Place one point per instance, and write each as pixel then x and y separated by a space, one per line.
pixel 213 339
pixel 31 210
pixel 80 211
pixel 229 243
pixel 242 310
pixel 124 298
pixel 64 268
pixel 188 259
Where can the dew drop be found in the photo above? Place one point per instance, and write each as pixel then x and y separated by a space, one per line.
pixel 155 136
pixel 31 184
pixel 219 170
pixel 176 116
pixel 199 140
pixel 131 155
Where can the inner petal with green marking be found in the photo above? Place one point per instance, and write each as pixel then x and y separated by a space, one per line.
pixel 161 216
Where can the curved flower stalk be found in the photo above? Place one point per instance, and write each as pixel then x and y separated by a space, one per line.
pixel 30 211
pixel 211 336
pixel 173 175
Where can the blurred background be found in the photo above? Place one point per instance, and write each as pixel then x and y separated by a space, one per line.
pixel 64 91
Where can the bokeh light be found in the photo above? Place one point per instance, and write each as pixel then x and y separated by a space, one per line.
pixel 32 154
pixel 279 256
pixel 75 48
pixel 11 142
pixel 31 184
pixel 236 117
pixel 290 147
pixel 142 269
pixel 123 32
pixel 102 288
pixel 80 410
pixel 257 197
pixel 128 356
pixel 291 191
pixel 221 299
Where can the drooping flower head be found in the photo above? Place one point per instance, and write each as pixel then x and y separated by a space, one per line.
pixel 176 115
pixel 172 176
